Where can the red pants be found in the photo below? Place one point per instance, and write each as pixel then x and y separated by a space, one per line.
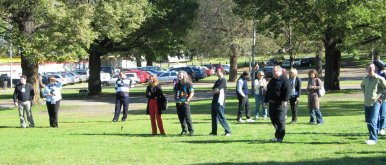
pixel 154 115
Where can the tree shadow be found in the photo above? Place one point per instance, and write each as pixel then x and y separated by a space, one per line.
pixel 258 142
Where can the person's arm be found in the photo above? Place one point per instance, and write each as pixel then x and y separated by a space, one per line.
pixel 240 84
pixel 191 94
pixel 299 90
pixel 15 96
pixel 147 93
pixel 32 94
pixel 222 85
pixel 363 84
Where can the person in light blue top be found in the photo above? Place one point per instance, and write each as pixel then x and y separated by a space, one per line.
pixel 53 95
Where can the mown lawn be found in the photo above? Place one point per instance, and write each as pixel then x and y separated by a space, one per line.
pixel 86 135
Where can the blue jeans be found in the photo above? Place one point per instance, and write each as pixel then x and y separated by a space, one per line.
pixel 371 117
pixel 258 102
pixel 382 116
pixel 316 116
pixel 121 100
pixel 218 115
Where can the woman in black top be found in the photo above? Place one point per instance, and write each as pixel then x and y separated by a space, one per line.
pixel 153 92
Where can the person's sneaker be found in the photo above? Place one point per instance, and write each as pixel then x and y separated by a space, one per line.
pixel 183 133
pixel 114 120
pixel 370 142
pixel 275 140
pixel 240 120
pixel 227 134
pixel 382 132
pixel 191 133
pixel 250 120
pixel 212 134
pixel 264 117
pixel 256 117
pixel 293 122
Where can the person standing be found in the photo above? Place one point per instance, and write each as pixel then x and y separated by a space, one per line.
pixel 122 86
pixel 296 89
pixel 372 87
pixel 22 98
pixel 314 84
pixel 242 95
pixel 153 93
pixel 260 89
pixel 52 93
pixel 218 101
pixel 380 70
pixel 183 93
pixel 277 96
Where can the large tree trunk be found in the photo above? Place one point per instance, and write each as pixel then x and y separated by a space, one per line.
pixel 233 64
pixel 149 57
pixel 319 54
pixel 333 61
pixel 94 82
pixel 30 69
pixel 138 60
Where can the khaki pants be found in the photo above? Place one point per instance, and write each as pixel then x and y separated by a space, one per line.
pixel 25 106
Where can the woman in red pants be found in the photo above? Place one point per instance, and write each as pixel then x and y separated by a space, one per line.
pixel 153 92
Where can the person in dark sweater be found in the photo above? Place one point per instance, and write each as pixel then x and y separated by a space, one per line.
pixel 242 95
pixel 296 85
pixel 183 93
pixel 153 92
pixel 22 98
pixel 278 94
pixel 217 110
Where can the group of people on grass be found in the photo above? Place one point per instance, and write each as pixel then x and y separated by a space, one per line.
pixel 272 96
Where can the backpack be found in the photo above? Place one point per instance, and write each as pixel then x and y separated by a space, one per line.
pixel 163 102
pixel 321 91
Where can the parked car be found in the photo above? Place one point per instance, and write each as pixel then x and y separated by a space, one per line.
pixel 60 78
pixel 74 77
pixel 105 77
pixel 131 76
pixel 147 68
pixel 200 73
pixel 142 75
pixel 188 70
pixel 208 72
pixel 268 71
pixel 83 75
pixel 108 69
pixel 310 61
pixel 226 68
pixel 286 63
pixel 168 76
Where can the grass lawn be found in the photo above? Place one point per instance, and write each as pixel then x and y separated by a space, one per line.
pixel 86 135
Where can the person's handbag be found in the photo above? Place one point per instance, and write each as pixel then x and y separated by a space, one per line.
pixel 321 92
pixel 163 102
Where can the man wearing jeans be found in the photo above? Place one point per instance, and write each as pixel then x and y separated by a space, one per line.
pixel 242 95
pixel 219 89
pixel 22 97
pixel 372 87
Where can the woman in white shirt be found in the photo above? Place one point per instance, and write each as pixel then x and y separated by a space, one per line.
pixel 260 88
pixel 53 95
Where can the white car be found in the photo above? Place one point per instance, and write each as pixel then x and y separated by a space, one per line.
pixel 131 76
pixel 168 76
pixel 286 63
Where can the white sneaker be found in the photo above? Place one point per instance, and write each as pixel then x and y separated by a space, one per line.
pixel 382 132
pixel 241 121
pixel 256 117
pixel 227 134
pixel 370 142
pixel 250 120
pixel 264 117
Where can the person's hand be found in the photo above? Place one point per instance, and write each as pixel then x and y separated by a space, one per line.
pixel 16 104
pixel 297 99
pixel 284 103
pixel 155 97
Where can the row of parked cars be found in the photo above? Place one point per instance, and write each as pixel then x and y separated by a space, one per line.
pixel 71 77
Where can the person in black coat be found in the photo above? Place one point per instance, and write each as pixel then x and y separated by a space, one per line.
pixel 153 93
pixel 277 96
pixel 22 98
pixel 296 86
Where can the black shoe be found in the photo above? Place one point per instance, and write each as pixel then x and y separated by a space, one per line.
pixel 276 140
pixel 183 133
pixel 191 133
pixel 293 122
pixel 123 120
pixel 114 120
pixel 213 134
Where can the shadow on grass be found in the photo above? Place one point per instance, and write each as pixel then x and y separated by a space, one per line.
pixel 128 135
pixel 331 134
pixel 256 141
pixel 345 160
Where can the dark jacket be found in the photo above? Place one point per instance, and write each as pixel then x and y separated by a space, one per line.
pixel 151 93
pixel 27 95
pixel 278 89
pixel 298 86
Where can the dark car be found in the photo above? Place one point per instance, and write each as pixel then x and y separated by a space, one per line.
pixel 308 61
pixel 200 73
pixel 188 70
pixel 268 71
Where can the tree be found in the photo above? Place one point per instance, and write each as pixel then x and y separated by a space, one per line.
pixel 45 30
pixel 218 31
pixel 331 21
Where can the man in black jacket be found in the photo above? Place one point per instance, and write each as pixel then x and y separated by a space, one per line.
pixel 22 97
pixel 278 94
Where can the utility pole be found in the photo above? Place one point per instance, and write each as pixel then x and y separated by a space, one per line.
pixel 253 57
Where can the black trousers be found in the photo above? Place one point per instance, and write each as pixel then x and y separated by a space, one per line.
pixel 277 114
pixel 53 113
pixel 121 100
pixel 294 108
pixel 183 112
pixel 243 104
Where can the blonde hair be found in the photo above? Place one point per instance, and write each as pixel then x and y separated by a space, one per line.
pixel 293 72
pixel 154 82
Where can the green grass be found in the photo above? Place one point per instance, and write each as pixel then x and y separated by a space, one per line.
pixel 86 135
